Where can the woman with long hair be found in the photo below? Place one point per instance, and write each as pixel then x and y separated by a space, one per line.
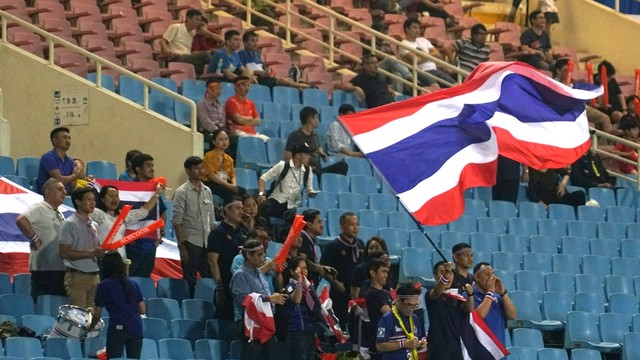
pixel 301 330
pixel 123 299
pixel 251 213
pixel 218 167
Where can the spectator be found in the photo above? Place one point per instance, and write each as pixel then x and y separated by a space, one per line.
pixel 80 250
pixel 268 268
pixel 545 188
pixel 631 129
pixel 414 40
pixel 632 110
pixel 40 223
pixel 360 284
pixel 241 114
pixel 617 105
pixel 550 11
pixel 378 303
pixel 251 217
pixel 193 219
pixel 249 279
pixel 536 44
pixel 83 180
pixel 129 174
pixel 507 180
pixel 176 42
pixel 309 240
pixel 399 335
pixel 142 252
pixel 515 4
pixel 219 173
pixel 222 247
pixel 56 164
pixel 469 53
pixel 226 60
pixel 447 311
pixel 206 39
pixel 492 300
pixel 108 209
pixel 306 134
pixel 435 8
pixel 211 115
pixel 123 300
pixel 250 59
pixel 390 63
pixel 301 307
pixel 463 259
pixel 339 143
pixel 588 172
pixel 344 254
pixel 292 178
pixel 370 85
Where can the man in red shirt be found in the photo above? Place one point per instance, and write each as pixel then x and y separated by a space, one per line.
pixel 241 114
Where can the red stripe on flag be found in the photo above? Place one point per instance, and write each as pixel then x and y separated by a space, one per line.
pixel 128 185
pixel 479 322
pixel 9 189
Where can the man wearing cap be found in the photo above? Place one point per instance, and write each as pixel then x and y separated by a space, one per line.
pixel 399 335
pixel 247 280
pixel 291 179
pixel 222 246
pixel 492 300
pixel 241 113
pixel 463 259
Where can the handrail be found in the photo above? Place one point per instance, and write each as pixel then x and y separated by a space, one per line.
pixel 597 134
pixel 333 16
pixel 100 62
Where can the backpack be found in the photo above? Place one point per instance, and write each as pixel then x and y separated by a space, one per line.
pixel 285 171
pixel 8 329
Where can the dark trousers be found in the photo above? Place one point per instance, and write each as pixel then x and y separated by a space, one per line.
pixel 341 167
pixel 197 263
pixel 224 191
pixel 441 355
pixel 301 345
pixel 575 199
pixel 141 262
pixel 340 302
pixel 224 303
pixel 255 351
pixel 273 208
pixel 506 190
pixel 117 340
pixel 47 283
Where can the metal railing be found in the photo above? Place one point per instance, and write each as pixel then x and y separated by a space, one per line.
pixel 603 153
pixel 333 51
pixel 53 40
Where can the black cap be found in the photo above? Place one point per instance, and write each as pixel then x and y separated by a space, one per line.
pixel 300 148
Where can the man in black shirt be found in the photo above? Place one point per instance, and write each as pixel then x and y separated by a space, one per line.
pixel 370 85
pixel 463 259
pixel 378 302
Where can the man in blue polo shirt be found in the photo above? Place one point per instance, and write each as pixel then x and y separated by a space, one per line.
pixel 226 61
pixel 56 164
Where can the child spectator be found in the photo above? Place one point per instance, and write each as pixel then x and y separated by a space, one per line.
pixel 631 129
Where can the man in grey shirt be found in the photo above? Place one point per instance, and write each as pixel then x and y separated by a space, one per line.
pixel 339 141
pixel 193 219
pixel 40 224
pixel 80 250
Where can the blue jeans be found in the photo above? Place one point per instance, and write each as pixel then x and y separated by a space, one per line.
pixel 301 345
pixel 118 339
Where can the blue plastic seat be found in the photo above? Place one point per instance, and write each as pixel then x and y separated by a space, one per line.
pixel 352 202
pixel 102 170
pixel 483 193
pixel 27 166
pixel 604 197
pixel 611 230
pixel 560 282
pixel 585 354
pixel 613 326
pixel 530 314
pixel 586 229
pixel 537 262
pixel 6 165
pixel 631 346
pixel 506 261
pixel 23 347
pixel 475 208
pixel 507 277
pixel 502 209
pixel 147 287
pixel 418 239
pixel 533 210
pixel 131 89
pixel 633 230
pixel 383 202
pixel 5 284
pixel 340 97
pixel 595 264
pixel 358 166
pixel 176 289
pixel 623 303
pixel 396 240
pixel 334 182
pixel 566 263
pixel 514 243
pixel 275 150
pixel 106 81
pixel 552 227
pixel 522 226
pixel 625 266
pixel 366 233
pixel 414 267
pixel 197 309
pixel 589 302
pixel 401 220
pixel 162 104
pixel 544 244
pixel 167 83
pixel 205 289
pixel 41 324
pixel 92 345
pixel 522 353
pixel 530 280
pixel 449 238
pixel 285 95
pixel 363 184
pixel 176 349
pixel 186 329
pixel 154 328
pixel 19 180
pixel 604 247
pixel 372 218
pixel 465 223
pixel 149 349
pixel 562 212
pixel 221 330
pixel 280 112
pixel 552 354
pixel 193 88
pixel 328 114
pixel 16 305
pixel 575 245
pixel 582 332
pixel 591 213
pixel 556 305
pixel 251 153
pixel 630 248
pixel 591 283
pixel 315 98
pixel 63 348
pixel 163 308
pixel 211 349
pixel 484 242
pixel 529 338
pixel 22 284
pixel 259 94
pixel 492 225
pixel 247 178
pixel 619 284
pixel 621 214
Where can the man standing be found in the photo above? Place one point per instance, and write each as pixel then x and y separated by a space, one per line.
pixel 536 43
pixel 414 39
pixel 142 252
pixel 193 219
pixel 241 113
pixel 291 178
pixel 226 60
pixel 370 85
pixel 210 110
pixel 343 254
pixel 463 259
pixel 314 227
pixel 40 223
pixel 176 42
pixel 470 52
pixel 492 300
pixel 306 134
pixel 339 143
pixel 222 247
pixel 80 249
pixel 56 164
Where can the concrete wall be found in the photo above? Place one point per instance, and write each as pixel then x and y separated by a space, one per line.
pixel 115 125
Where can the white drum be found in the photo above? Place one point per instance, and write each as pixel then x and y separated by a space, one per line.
pixel 72 322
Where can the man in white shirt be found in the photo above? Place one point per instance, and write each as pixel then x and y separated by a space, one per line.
pixel 176 42
pixel 414 39
pixel 339 142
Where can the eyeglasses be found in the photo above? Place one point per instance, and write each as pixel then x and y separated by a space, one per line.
pixel 411 306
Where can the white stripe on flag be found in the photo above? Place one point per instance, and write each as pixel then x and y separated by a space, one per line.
pixel 485 340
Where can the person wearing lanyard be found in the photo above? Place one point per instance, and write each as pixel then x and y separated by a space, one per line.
pixel 193 218
pixel 219 173
pixel 249 279
pixel 80 250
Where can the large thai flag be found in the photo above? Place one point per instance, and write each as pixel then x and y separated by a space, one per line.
pixel 478 342
pixel 432 147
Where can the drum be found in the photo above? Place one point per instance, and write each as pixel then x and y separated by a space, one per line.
pixel 72 322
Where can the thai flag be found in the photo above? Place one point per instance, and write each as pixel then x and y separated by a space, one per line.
pixel 478 342
pixel 432 147
pixel 258 318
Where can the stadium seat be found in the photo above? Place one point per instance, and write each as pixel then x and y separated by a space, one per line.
pixel 582 332
pixel 619 284
pixel 328 114
pixel 506 261
pixel 383 202
pixel 63 348
pixel 22 283
pixel 251 153
pixel 633 230
pixel 589 302
pixel 590 213
pixel 334 182
pixel 595 264
pixel 561 212
pixel 552 354
pixel 154 328
pixel 556 305
pixel 566 263
pixel 358 166
pixel 41 324
pixel 586 229
pixel 221 330
pixel 28 167
pixel 92 345
pixel 176 289
pixel 475 208
pixel 401 220
pixel 522 353
pixel 604 247
pixel 492 225
pixel 247 178
pixel 465 223
pixel 552 227
pixel 613 327
pixel 574 245
pixel 193 89
pixel 351 201
pixel 527 209
pixel 259 94
pixel 176 349
pixel 332 225
pixel 611 230
pixel 106 81
pixel 631 346
pixel 483 241
pixel 323 200
pixel 102 170
pixel 285 95
pixel 163 308
pixel 186 329
pixel 20 180
pixel 414 268
pixel 5 284
pixel 604 197
pixel 630 248
pixel 514 243
pixel 507 277
pixel 585 354
pixel 449 238
pixel 626 266
pixel 204 290
pixel 530 280
pixel 418 239
pixel 502 209
pixel 621 214
pixel 363 184
pixel 280 112
pixel 147 287
pixel 197 309
pixel 537 262
pixel 560 282
pixel 373 219
pixel 23 347
pixel 623 304
pixel 529 338
pixel 131 89
pixel 210 349
pixel 16 305
pixel 396 239
pixel 522 226
pixel 315 98
pixel 529 313
pixel 543 244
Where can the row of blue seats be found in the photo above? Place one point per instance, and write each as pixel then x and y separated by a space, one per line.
pixel 525 353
